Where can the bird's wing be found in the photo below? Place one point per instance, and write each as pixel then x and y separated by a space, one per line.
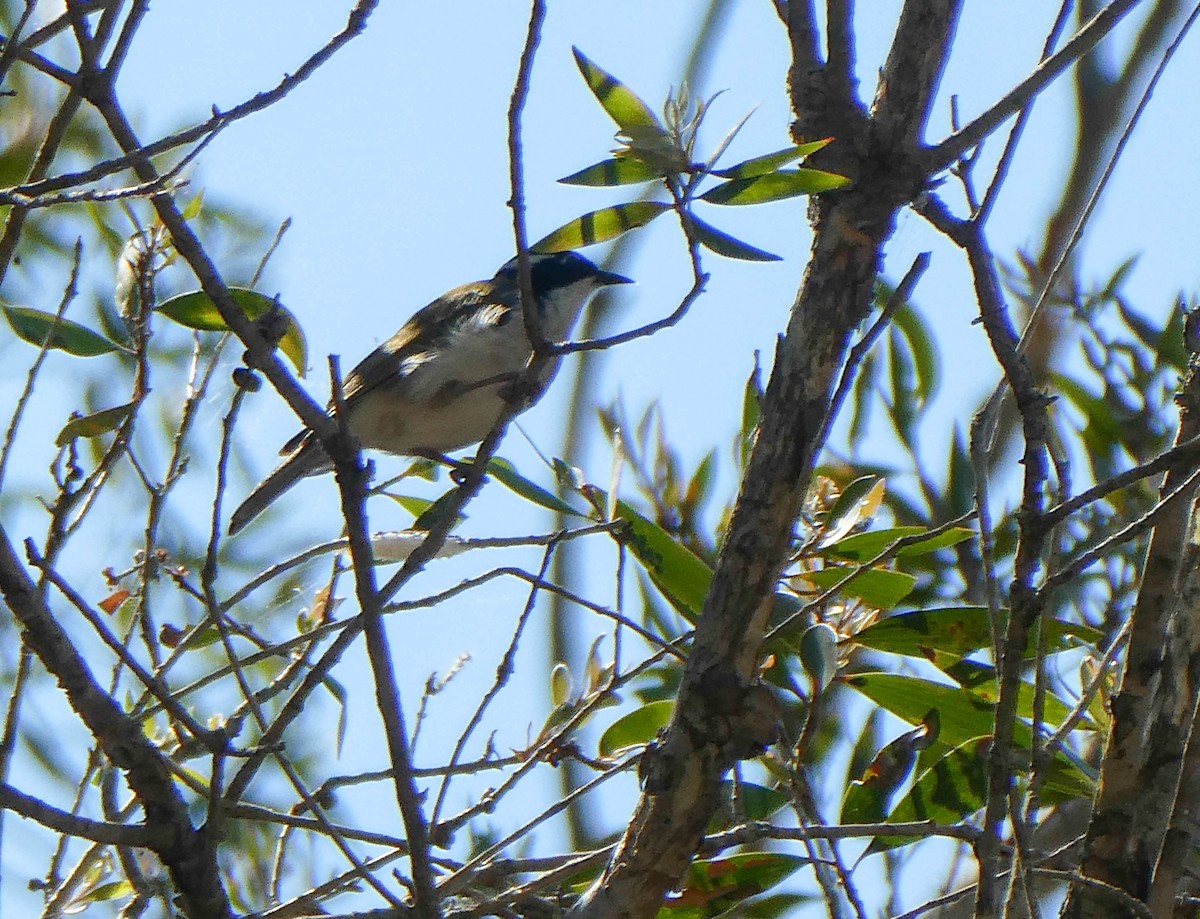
pixel 415 344
pixel 427 334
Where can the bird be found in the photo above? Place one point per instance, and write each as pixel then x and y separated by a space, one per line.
pixel 443 380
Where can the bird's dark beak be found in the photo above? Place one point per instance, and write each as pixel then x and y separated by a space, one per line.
pixel 604 278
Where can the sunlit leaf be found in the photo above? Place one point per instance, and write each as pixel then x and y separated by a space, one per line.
pixel 192 210
pixel 505 473
pixel 723 244
pixel 980 678
pixel 617 170
pixel 600 226
pixel 95 424
pixel 877 587
pixel 862 547
pixel 113 890
pixel 770 162
pixel 958 631
pixel 195 310
pixel 618 100
pixel 411 503
pixel 774 186
pixel 855 506
pixel 636 728
pixel 560 684
pixel 113 601
pixel 38 328
pixel 677 571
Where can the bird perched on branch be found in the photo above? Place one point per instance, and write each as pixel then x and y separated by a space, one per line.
pixel 443 380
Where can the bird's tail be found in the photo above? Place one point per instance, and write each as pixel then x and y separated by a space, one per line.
pixel 309 460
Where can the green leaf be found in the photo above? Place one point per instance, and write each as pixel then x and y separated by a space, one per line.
pixel 752 398
pixel 921 347
pixel 411 503
pixel 679 573
pixel 618 100
pixel 560 684
pixel 722 243
pixel 93 425
pixel 770 162
pixel 862 547
pixel 964 717
pixel 712 887
pixel 954 632
pixel 981 680
pixel 436 513
pixel 954 786
pixel 753 802
pixel 617 170
pixel 195 310
pixel 636 728
pixel 774 186
pixel 819 655
pixel 41 328
pixel 600 226
pixel 877 587
pixel 506 474
pixel 113 890
pixel 192 210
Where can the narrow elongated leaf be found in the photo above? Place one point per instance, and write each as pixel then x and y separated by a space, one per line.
pixel 41 328
pixel 722 243
pixel 714 886
pixel 679 573
pixel 93 425
pixel 600 226
pixel 617 170
pixel 752 398
pixel 774 186
pixel 957 632
pixel 618 100
pixel 924 354
pixel 747 801
pixel 411 503
pixel 964 716
pixel 195 310
pixel 507 475
pixel 770 162
pixel 862 547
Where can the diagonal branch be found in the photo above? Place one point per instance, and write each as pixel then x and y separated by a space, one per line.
pixel 722 713
pixel 942 155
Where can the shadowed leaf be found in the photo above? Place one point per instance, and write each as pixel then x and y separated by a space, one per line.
pixel 41 328
pixel 724 244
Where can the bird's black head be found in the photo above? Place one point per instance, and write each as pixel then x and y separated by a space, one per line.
pixel 554 270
